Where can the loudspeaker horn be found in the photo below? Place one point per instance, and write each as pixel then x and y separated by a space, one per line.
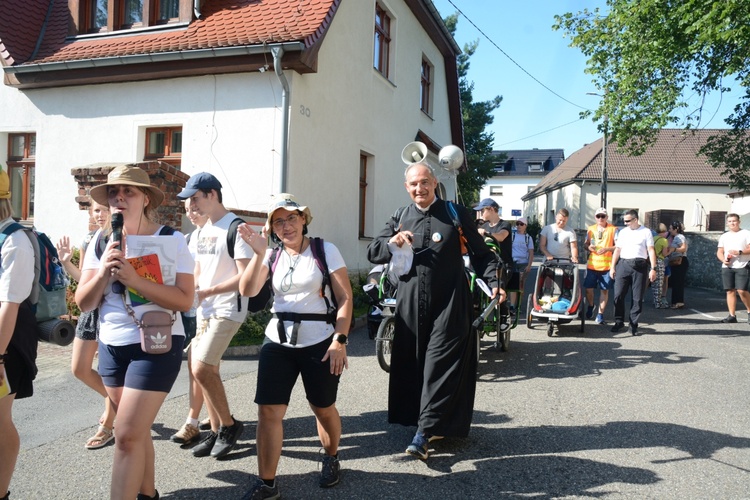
pixel 451 157
pixel 414 152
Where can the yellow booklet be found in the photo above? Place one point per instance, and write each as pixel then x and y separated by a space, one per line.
pixel 4 386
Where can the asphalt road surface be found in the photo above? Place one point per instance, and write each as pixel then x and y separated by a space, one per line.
pixel 577 415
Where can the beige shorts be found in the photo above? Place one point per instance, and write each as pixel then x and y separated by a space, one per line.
pixel 212 338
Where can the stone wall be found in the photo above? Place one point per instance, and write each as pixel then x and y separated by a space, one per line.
pixel 705 268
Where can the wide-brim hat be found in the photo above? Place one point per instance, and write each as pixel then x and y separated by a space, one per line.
pixel 286 201
pixel 127 175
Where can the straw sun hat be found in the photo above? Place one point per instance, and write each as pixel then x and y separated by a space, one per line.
pixel 127 175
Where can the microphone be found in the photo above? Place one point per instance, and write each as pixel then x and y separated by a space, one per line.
pixel 117 223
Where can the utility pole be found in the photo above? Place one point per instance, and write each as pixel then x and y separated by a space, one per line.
pixel 603 200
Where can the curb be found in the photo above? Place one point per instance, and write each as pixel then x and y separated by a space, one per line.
pixel 243 351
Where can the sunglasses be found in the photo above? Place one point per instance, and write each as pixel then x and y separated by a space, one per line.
pixel 601 216
pixel 520 224
pixel 627 221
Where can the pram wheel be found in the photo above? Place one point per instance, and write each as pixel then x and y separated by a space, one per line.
pixel 529 308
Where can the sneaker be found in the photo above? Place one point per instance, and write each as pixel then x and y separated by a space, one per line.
pixel 418 446
pixel 678 305
pixel 729 319
pixel 633 329
pixel 329 473
pixel 589 312
pixel 186 435
pixel 141 496
pixel 600 319
pixel 205 424
pixel 617 327
pixel 261 491
pixel 227 439
pixel 203 449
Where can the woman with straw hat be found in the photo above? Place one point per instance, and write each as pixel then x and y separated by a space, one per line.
pixel 137 382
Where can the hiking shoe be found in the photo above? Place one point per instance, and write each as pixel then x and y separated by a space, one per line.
pixel 600 319
pixel 141 496
pixel 227 439
pixel 187 434
pixel 330 472
pixel 205 424
pixel 618 327
pixel 261 491
pixel 729 319
pixel 203 449
pixel 418 446
pixel 589 312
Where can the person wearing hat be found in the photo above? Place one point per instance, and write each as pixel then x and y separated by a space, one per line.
pixel 137 382
pixel 600 243
pixel 220 313
pixel 313 346
pixel 18 337
pixel 432 381
pixel 496 228
pixel 523 257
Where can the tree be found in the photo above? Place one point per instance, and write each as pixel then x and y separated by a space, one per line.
pixel 476 117
pixel 649 57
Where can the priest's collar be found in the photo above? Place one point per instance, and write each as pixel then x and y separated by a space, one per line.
pixel 425 210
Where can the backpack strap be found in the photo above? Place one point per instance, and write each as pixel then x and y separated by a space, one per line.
pixel 457 224
pixel 167 231
pixel 232 234
pixel 319 254
pixel 11 228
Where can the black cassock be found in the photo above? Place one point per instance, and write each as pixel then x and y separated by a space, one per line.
pixel 434 356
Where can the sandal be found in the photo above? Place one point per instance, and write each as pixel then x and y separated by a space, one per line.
pixel 101 439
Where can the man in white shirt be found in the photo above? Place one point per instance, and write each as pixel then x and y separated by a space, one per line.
pixel 220 313
pixel 734 254
pixel 634 248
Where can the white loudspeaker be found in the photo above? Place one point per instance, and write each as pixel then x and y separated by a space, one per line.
pixel 451 157
pixel 414 152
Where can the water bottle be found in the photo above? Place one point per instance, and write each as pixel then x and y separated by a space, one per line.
pixel 58 279
pixel 194 308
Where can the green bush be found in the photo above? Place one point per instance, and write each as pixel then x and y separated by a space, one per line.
pixel 533 228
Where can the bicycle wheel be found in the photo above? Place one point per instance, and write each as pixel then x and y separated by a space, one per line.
pixel 503 334
pixel 384 342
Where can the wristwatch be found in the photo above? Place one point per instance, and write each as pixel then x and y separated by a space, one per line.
pixel 740 252
pixel 341 338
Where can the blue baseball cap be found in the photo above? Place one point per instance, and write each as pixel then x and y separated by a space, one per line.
pixel 203 180
pixel 487 203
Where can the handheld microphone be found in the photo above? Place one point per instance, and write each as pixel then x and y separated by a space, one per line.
pixel 117 224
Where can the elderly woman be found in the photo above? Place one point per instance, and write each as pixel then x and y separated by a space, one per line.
pixel 137 382
pixel 307 336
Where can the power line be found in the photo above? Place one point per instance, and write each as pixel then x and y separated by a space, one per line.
pixel 539 133
pixel 512 60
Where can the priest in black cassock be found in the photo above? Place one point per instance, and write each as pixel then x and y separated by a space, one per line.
pixel 434 355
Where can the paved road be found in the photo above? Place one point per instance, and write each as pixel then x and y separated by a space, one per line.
pixel 664 415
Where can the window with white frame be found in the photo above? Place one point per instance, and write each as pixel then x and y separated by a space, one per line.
pixel 425 87
pixel 496 190
pixel 381 56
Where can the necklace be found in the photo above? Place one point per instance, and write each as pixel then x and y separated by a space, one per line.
pixel 286 280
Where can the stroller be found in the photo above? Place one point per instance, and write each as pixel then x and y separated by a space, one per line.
pixel 557 296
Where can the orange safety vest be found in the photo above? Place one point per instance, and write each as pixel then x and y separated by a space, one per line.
pixel 601 238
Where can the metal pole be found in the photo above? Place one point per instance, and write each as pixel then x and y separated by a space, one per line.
pixel 604 167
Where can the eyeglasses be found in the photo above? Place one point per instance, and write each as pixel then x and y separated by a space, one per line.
pixel 520 224
pixel 601 216
pixel 628 221
pixel 279 224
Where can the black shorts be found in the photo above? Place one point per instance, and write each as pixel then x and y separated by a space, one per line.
pixel 278 369
pixel 735 279
pixel 128 366
pixel 18 376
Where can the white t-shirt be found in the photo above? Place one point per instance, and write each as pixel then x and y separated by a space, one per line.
pixel 735 240
pixel 116 326
pixel 216 266
pixel 17 269
pixel 634 243
pixel 522 243
pixel 299 292
pixel 558 242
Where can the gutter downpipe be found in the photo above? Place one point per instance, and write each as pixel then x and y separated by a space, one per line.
pixel 277 53
pixel 197 8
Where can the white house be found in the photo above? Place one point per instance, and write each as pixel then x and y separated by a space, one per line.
pixel 516 173
pixel 669 182
pixel 313 98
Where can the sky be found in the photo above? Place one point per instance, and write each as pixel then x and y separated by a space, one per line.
pixel 530 115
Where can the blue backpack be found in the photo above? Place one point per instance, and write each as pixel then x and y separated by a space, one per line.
pixel 48 291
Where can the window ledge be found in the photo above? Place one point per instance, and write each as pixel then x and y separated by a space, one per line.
pixel 131 31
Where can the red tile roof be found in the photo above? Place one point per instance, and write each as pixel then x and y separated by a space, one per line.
pixel 673 159
pixel 223 23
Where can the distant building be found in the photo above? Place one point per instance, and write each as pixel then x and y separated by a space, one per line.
pixel 517 172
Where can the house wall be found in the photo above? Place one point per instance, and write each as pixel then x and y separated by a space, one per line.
pixel 231 128
pixel 514 187
pixel 347 109
pixel 582 201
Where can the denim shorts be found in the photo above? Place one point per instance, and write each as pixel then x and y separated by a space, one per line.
pixel 598 279
pixel 128 366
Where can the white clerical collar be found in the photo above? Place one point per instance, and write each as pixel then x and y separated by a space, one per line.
pixel 425 210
